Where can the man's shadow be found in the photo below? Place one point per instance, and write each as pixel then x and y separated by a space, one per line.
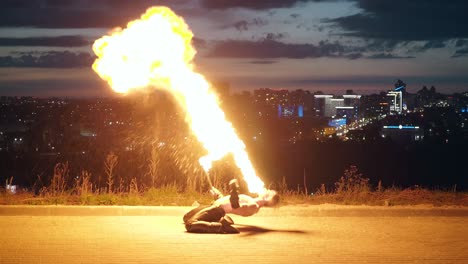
pixel 250 230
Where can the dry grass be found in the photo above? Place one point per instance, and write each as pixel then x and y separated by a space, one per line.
pixel 351 189
pixel 158 197
pixel 391 197
pixel 171 195
pixel 354 189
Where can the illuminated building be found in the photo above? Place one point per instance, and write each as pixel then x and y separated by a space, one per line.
pixel 396 105
pixel 337 122
pixel 350 112
pixel 286 104
pixel 331 105
pixel 374 105
pixel 320 102
pixel 403 133
pixel 397 101
pixel 290 111
pixel 328 106
pixel 352 105
pixel 352 99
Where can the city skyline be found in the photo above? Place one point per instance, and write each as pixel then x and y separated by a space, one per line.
pixel 328 45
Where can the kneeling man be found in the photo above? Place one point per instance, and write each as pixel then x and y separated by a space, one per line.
pixel 213 218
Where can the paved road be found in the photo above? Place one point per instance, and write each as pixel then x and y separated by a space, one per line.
pixel 285 235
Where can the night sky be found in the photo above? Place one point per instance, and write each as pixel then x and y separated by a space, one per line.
pixel 327 45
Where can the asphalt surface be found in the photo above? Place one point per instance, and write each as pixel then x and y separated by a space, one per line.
pixel 291 234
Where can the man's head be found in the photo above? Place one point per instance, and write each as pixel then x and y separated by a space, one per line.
pixel 271 198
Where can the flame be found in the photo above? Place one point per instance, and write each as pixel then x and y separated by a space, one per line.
pixel 156 51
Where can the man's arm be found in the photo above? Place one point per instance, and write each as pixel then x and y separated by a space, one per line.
pixel 216 193
pixel 234 199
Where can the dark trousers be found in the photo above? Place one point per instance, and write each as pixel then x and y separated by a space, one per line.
pixel 204 219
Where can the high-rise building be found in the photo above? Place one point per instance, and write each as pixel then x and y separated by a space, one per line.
pixel 331 105
pixel 328 106
pixel 286 104
pixel 396 105
pixel 320 102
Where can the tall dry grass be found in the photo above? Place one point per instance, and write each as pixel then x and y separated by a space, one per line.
pixel 59 179
pixel 351 188
pixel 109 166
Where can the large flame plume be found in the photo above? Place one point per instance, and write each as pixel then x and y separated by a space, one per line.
pixel 156 51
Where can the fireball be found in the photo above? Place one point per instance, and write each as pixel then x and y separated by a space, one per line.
pixel 156 51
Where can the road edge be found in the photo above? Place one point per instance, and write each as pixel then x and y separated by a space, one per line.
pixel 291 210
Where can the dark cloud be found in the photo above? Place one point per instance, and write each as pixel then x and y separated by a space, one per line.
pixel 412 81
pixel 382 45
pixel 252 4
pixel 262 62
pixel 388 56
pixel 60 41
pixel 87 3
pixel 275 36
pixel 460 53
pixel 55 87
pixel 389 46
pixel 52 59
pixel 354 56
pixel 74 13
pixel 405 20
pixel 244 25
pixel 432 44
pixel 273 49
pixel 199 43
pixel 268 49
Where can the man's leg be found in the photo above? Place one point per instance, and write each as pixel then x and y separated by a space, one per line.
pixel 227 219
pixel 227 223
pixel 211 219
pixel 193 212
pixel 211 227
pixel 204 227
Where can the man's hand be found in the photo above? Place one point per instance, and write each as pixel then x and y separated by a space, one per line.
pixel 216 193
pixel 234 199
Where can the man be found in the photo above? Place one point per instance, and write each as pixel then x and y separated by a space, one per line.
pixel 213 218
